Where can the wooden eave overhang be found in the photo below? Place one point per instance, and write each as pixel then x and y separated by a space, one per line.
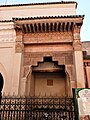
pixel 48 24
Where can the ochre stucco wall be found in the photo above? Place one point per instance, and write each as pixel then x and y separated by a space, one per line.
pixel 41 87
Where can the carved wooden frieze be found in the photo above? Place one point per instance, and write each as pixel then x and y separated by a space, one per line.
pixel 51 37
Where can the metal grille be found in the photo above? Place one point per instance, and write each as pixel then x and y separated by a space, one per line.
pixel 28 108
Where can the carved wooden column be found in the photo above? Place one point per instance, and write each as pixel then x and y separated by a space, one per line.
pixel 78 58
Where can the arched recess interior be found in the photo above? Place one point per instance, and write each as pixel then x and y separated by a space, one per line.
pixel 3 76
pixel 1 82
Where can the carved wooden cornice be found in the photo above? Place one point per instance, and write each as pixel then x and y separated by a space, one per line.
pixel 45 27
pixel 48 24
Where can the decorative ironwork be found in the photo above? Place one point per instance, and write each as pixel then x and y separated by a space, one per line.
pixel 28 108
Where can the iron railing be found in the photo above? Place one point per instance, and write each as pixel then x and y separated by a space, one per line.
pixel 36 108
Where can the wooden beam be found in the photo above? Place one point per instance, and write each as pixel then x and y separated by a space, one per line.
pixel 26 27
pixel 59 26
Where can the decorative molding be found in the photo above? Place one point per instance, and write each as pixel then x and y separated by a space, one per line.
pixel 6 25
pixel 8 35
